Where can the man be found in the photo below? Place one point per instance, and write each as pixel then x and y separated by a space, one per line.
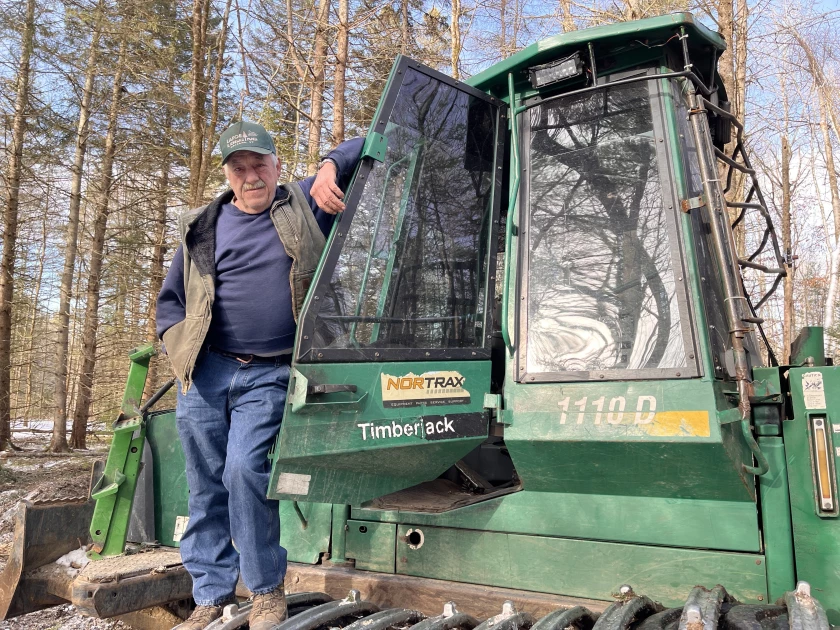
pixel 227 314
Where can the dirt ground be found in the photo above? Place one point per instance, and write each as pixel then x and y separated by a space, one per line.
pixel 49 477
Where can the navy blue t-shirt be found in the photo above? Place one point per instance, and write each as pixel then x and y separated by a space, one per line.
pixel 252 309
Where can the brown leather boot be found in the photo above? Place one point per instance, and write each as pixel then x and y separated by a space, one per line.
pixel 269 610
pixel 200 618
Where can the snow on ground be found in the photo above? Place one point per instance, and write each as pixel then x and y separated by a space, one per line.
pixel 46 477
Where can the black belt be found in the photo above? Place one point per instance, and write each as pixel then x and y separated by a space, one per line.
pixel 252 358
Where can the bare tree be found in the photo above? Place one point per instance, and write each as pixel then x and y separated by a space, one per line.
pixel 59 439
pixel 340 73
pixel 455 37
pixel 10 219
pixel 91 325
pixel 827 116
pixel 209 136
pixel 198 95
pixel 566 16
pixel 316 111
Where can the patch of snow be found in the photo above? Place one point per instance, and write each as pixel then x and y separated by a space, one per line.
pixel 75 559
pixel 9 514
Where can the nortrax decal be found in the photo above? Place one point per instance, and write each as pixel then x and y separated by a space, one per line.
pixel 453 425
pixel 442 387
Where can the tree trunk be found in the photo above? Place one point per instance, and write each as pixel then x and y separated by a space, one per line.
pixel 831 297
pixel 10 221
pixel 787 244
pixel 91 325
pixel 340 75
pixel 403 26
pixel 316 114
pixel 71 238
pixel 39 279
pixel 732 68
pixel 568 20
pixel 156 270
pixel 726 65
pixel 740 109
pixel 823 89
pixel 210 132
pixel 198 94
pixel 455 36
pixel 513 44
pixel 159 249
pixel 503 51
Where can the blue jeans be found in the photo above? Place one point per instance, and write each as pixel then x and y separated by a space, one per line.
pixel 228 421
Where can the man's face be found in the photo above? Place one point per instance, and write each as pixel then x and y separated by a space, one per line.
pixel 253 178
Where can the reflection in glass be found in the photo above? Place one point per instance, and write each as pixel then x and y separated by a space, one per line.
pixel 601 290
pixel 412 271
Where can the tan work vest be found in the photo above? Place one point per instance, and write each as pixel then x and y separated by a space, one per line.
pixel 298 231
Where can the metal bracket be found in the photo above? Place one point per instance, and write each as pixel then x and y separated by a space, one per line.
pixel 492 401
pixel 375 146
pixel 114 491
pixel 687 205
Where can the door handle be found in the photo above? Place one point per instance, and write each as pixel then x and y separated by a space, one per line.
pixel 302 391
pixel 331 388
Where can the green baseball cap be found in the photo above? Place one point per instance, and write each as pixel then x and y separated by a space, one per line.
pixel 245 136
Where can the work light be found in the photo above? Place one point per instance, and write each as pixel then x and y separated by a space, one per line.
pixel 555 71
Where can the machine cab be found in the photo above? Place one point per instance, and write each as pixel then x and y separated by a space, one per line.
pixel 622 326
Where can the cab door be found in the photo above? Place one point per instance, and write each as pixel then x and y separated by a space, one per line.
pixel 392 359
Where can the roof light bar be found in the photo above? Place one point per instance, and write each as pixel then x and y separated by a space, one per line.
pixel 555 71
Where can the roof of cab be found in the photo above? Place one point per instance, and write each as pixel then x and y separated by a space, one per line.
pixel 602 37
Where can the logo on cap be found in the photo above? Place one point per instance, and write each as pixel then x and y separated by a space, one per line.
pixel 241 138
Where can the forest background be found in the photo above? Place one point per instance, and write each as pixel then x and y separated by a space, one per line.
pixel 111 110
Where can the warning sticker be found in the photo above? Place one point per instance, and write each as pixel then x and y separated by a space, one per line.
pixel 813 390
pixel 429 388
pixel 293 483
pixel 181 523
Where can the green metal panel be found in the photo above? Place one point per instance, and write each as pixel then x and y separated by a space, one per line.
pixel 578 568
pixel 724 525
pixel 338 544
pixel 170 476
pixel 769 400
pixel 809 346
pixel 305 544
pixel 372 545
pixel 775 515
pixel 351 447
pixel 669 442
pixel 816 540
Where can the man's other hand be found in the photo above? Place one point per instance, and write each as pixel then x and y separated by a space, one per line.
pixel 325 192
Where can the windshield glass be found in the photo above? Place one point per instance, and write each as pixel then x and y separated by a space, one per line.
pixel 412 272
pixel 601 286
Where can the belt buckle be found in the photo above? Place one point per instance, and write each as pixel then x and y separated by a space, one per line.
pixel 243 361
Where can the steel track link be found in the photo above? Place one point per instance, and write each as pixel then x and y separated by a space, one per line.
pixel 705 609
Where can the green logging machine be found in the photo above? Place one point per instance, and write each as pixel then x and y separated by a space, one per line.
pixel 528 389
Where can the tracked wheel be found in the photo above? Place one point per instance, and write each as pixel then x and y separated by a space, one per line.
pixel 704 609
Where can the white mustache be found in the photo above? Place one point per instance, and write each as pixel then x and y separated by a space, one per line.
pixel 256 186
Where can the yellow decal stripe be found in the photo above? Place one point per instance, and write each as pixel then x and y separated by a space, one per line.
pixel 679 423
